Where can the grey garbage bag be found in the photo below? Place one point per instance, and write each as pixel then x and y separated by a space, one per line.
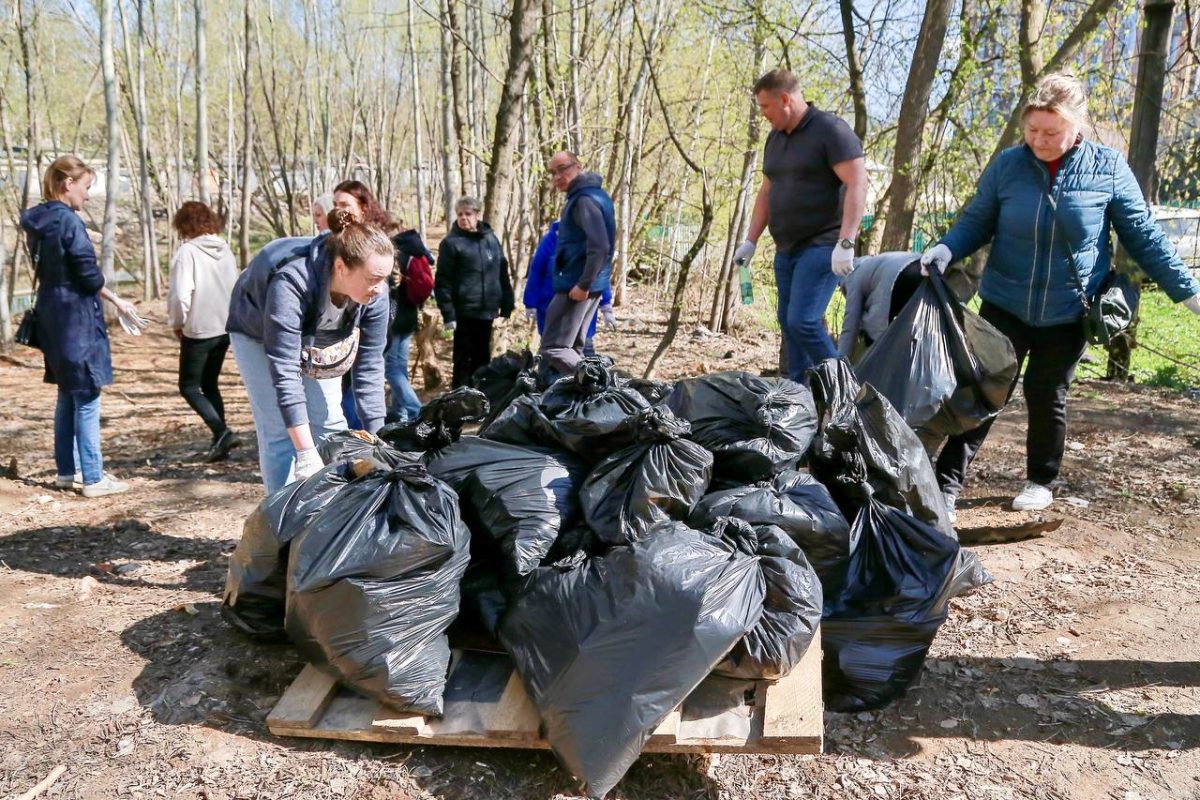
pixel 607 646
pixel 373 584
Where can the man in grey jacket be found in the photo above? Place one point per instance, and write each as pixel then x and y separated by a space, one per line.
pixel 869 292
pixel 582 269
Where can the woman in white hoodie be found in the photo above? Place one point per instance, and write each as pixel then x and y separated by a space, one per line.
pixel 202 276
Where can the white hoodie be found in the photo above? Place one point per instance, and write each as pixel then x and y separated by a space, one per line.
pixel 202 276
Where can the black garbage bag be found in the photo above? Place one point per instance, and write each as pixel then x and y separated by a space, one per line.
pixel 754 426
pixel 256 583
pixel 654 391
pixel 587 413
pixel 659 478
pixel 352 445
pixel 799 505
pixel 942 366
pixel 507 377
pixel 608 646
pixel 877 630
pixel 515 500
pixel 518 423
pixel 373 584
pixel 864 448
pixel 440 422
pixel 791 608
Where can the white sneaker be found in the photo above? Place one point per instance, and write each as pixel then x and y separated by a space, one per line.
pixel 1034 497
pixel 105 486
pixel 69 481
pixel 950 501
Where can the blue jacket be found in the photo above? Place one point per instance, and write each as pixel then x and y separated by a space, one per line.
pixel 1028 273
pixel 586 233
pixel 539 283
pixel 71 327
pixel 277 301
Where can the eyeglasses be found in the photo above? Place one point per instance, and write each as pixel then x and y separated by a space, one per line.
pixel 560 170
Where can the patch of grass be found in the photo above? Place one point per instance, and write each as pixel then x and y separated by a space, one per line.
pixel 1166 354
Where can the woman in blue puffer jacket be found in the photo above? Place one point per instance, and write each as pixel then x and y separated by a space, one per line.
pixel 1029 290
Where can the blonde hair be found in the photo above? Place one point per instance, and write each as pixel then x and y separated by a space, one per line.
pixel 62 169
pixel 1062 94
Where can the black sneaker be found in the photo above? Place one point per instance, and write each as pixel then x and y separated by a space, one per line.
pixel 221 447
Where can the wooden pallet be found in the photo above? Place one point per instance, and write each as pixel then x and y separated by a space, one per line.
pixel 486 706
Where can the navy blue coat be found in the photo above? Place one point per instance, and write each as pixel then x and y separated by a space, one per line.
pixel 71 327
pixel 1028 272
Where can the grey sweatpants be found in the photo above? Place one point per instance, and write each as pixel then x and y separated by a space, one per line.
pixel 566 331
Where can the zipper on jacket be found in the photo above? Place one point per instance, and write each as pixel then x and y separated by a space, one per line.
pixel 1056 192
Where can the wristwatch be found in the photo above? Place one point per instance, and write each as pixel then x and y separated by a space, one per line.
pixel 846 244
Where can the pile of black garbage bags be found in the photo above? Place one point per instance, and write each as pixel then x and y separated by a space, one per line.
pixel 621 539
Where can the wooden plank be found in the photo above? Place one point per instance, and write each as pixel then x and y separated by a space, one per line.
pixel 304 701
pixel 486 706
pixel 793 714
pixel 667 731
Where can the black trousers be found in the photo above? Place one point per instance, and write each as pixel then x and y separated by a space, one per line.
pixel 200 362
pixel 472 349
pixel 1053 353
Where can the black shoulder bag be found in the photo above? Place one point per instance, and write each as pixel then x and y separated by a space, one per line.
pixel 27 333
pixel 1110 314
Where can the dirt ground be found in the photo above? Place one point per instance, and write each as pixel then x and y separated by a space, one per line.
pixel 1075 675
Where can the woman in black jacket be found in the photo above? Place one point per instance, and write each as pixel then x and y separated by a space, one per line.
pixel 472 288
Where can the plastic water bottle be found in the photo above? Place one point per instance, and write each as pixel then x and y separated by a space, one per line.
pixel 746 284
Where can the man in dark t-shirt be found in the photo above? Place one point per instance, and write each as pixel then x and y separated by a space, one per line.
pixel 812 199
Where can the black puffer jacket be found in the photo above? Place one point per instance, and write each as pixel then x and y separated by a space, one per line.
pixel 472 276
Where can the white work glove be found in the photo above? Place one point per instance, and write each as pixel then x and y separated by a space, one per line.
pixel 448 329
pixel 531 314
pixel 744 252
pixel 609 319
pixel 939 256
pixel 128 316
pixel 842 262
pixel 308 463
pixel 1192 304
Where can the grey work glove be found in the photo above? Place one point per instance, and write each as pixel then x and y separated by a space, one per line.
pixel 744 252
pixel 609 319
pixel 939 256
pixel 308 463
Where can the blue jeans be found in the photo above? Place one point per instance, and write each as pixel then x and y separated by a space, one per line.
pixel 806 284
pixel 405 404
pixel 77 430
pixel 276 453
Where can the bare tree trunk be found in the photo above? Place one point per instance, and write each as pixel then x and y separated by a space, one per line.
pixel 29 66
pixel 1091 18
pixel 621 258
pixel 723 308
pixel 522 24
pixel 574 112
pixel 914 109
pixel 457 80
pixel 706 218
pixel 230 142
pixel 858 91
pixel 201 101
pixel 449 191
pixel 419 160
pixel 149 250
pixel 248 137
pixel 6 331
pixel 108 248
